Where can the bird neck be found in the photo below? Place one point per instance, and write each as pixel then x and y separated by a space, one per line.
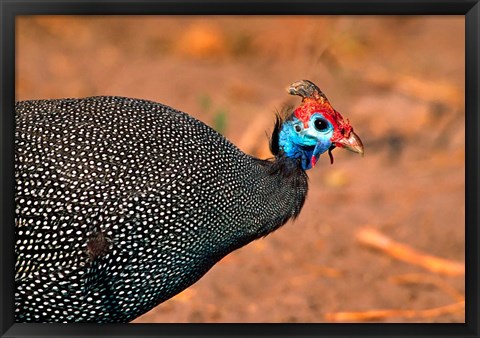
pixel 288 187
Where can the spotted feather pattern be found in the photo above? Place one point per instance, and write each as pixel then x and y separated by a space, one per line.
pixel 123 203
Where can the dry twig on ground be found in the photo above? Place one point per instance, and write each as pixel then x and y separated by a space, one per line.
pixel 384 314
pixel 374 239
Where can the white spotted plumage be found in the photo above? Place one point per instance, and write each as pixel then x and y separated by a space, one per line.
pixel 123 203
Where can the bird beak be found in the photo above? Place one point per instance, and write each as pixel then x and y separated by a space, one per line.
pixel 352 143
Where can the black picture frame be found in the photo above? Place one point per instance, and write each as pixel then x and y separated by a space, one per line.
pixel 11 8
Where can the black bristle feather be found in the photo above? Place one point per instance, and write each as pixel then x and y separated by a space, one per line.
pixel 274 145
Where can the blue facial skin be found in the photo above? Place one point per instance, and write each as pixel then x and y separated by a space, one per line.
pixel 300 142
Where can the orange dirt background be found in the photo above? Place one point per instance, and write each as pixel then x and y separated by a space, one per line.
pixel 400 81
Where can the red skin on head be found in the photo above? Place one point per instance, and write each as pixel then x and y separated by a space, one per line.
pixel 309 106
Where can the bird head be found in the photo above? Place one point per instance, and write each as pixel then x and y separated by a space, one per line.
pixel 314 127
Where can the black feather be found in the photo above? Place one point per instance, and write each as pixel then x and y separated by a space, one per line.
pixel 123 203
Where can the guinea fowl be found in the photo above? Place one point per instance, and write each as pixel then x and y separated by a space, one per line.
pixel 123 203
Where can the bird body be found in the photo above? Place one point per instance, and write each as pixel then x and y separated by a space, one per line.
pixel 123 203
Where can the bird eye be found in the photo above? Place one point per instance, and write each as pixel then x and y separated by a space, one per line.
pixel 298 128
pixel 321 124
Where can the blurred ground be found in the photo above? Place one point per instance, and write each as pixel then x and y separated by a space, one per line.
pixel 400 81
